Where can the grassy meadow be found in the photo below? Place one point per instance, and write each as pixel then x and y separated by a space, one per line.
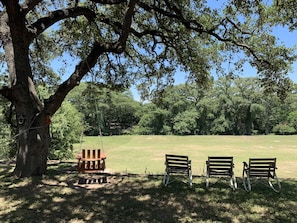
pixel 145 154
pixel 134 191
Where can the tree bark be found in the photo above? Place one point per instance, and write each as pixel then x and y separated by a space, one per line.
pixel 33 143
pixel 248 121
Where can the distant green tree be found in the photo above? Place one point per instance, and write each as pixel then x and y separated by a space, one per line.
pixel 225 111
pixel 91 100
pixel 152 121
pixel 121 113
pixel 289 109
pixel 176 100
pixel 250 111
pixel 206 108
pixel 283 129
pixel 292 120
pixel 66 129
pixel 105 111
pixel 185 123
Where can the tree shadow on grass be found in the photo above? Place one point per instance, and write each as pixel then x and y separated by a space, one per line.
pixel 59 197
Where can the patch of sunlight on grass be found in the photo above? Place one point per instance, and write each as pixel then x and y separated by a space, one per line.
pixel 9 206
pixel 21 183
pixel 143 197
pixel 82 221
pixel 259 210
pixel 36 205
pixel 58 199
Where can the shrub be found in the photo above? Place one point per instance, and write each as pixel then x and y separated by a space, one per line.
pixel 283 129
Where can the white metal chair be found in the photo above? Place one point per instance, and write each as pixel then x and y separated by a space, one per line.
pixel 259 169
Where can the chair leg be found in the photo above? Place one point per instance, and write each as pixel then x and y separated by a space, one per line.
pixel 246 181
pixel 274 184
pixel 233 182
pixel 207 181
pixel 166 179
pixel 190 178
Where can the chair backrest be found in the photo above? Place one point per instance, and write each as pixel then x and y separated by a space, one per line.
pixel 177 163
pixel 91 153
pixel 220 165
pixel 262 167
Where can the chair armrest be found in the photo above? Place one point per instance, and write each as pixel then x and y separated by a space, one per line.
pixel 245 165
pixel 103 155
pixel 190 163
pixel 79 156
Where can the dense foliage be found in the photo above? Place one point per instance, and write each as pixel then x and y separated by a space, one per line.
pixel 233 106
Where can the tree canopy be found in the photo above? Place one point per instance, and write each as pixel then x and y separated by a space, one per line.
pixel 126 42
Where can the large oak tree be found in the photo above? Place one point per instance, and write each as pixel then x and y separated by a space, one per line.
pixel 124 42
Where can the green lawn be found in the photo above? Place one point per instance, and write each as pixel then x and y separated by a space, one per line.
pixel 145 154
pixel 63 195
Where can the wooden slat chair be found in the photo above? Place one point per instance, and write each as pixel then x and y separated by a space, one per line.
pixel 177 165
pixel 259 169
pixel 220 166
pixel 91 161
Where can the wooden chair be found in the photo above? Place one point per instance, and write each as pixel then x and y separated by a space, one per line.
pixel 177 165
pixel 91 161
pixel 220 166
pixel 258 169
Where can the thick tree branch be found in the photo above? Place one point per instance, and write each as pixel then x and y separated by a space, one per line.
pixel 4 2
pixel 233 41
pixel 6 92
pixel 127 21
pixel 54 102
pixel 174 13
pixel 43 23
pixel 241 45
pixel 157 9
pixel 237 27
pixel 119 28
pixel 123 29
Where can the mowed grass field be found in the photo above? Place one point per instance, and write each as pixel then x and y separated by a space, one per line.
pixel 146 154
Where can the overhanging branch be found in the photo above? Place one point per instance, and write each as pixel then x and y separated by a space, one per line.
pixel 6 92
pixel 127 21
pixel 53 103
pixel 175 13
pixel 43 23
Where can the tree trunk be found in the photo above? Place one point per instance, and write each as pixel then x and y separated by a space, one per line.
pixel 33 143
pixel 267 116
pixel 33 130
pixel 248 121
